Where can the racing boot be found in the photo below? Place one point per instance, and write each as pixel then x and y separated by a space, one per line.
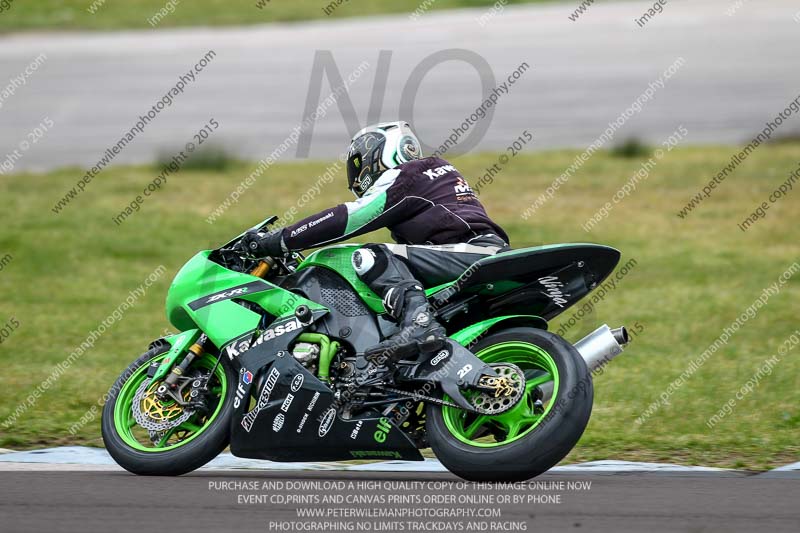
pixel 419 330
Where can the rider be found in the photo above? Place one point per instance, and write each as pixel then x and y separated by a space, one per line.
pixel 440 226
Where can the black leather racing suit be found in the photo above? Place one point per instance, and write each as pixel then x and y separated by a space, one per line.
pixel 440 226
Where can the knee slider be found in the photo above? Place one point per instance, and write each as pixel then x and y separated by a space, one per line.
pixel 370 261
pixel 363 260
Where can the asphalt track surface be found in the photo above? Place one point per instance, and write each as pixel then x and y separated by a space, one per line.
pixel 740 71
pixel 104 501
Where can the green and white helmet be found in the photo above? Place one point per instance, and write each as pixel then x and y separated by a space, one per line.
pixel 375 149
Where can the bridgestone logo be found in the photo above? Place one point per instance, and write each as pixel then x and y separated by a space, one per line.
pixel 250 418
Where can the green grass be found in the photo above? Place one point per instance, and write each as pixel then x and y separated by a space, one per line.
pixel 693 278
pixel 121 14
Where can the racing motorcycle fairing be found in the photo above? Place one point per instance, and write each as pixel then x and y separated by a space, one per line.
pixel 233 304
pixel 286 411
pixel 294 419
pixel 543 281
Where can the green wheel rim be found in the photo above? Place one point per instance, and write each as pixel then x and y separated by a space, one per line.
pixel 126 425
pixel 521 419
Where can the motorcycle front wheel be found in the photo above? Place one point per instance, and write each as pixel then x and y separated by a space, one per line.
pixel 150 436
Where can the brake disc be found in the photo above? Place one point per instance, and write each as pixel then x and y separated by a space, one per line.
pixel 508 388
pixel 153 414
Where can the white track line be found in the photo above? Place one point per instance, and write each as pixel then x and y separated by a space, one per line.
pixel 79 458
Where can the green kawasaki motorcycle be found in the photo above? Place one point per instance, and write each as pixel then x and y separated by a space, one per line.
pixel 270 361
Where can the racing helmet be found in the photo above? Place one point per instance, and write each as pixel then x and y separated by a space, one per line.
pixel 375 149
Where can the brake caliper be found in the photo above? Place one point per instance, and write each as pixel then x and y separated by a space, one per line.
pixel 497 394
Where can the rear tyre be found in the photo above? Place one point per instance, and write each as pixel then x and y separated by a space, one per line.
pixel 188 445
pixel 530 438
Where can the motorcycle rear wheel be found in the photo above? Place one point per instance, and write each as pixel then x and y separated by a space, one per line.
pixel 531 437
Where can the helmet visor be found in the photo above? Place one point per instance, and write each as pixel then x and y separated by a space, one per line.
pixel 364 164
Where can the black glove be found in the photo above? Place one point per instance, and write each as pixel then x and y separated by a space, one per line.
pixel 261 245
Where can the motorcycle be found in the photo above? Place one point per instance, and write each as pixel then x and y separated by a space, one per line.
pixel 270 360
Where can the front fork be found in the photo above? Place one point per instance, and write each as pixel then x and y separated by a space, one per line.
pixel 170 389
pixel 172 373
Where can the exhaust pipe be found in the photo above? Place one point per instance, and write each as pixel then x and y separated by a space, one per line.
pixel 602 345
pixel 597 348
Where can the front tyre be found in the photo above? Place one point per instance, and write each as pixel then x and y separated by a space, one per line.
pixel 531 437
pixel 177 440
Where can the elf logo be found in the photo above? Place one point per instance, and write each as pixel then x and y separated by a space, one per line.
pixel 384 427
pixel 240 392
pixel 226 295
